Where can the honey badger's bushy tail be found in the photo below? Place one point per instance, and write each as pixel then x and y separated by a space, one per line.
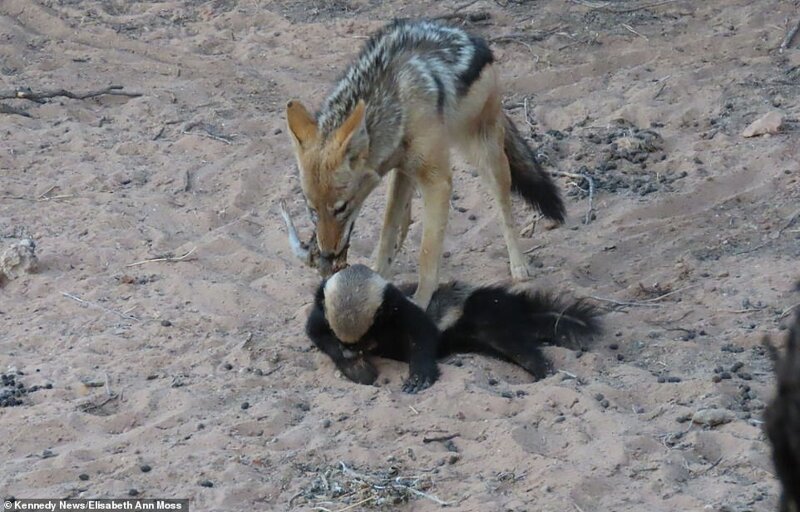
pixel 516 324
pixel 528 179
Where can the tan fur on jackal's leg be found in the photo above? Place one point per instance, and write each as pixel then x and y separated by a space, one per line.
pixel 435 183
pixel 487 154
pixel 395 223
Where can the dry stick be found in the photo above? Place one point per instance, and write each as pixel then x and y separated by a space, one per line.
pixel 631 29
pixel 787 41
pixel 39 97
pixel 424 495
pixel 98 306
pixel 588 217
pixel 788 310
pixel 472 16
pixel 169 259
pixel 439 438
pixel 354 505
pixel 605 6
pixel 644 303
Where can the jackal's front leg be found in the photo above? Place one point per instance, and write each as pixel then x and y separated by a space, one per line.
pixel 395 221
pixel 435 183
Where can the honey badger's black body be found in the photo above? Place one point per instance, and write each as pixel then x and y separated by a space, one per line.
pixel 356 313
pixel 782 419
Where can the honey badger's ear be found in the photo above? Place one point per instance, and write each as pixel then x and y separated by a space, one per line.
pixel 302 124
pixel 352 135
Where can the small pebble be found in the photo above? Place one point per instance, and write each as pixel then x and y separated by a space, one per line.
pixel 492 381
pixel 620 357
pixel 326 423
pixel 718 369
pixel 206 483
pixel 453 458
pixel 725 375
pixel 716 378
pixel 604 404
pixel 133 492
pixel 166 323
pixel 745 376
pixel 507 394
pixel 472 216
pixel 613 346
pixel 145 468
pixel 228 366
pixel 245 405
pixel 599 397
pixel 559 419
pixel 673 379
pixel 712 417
pixel 737 366
pixel 83 476
pixel 662 379
pixel 304 407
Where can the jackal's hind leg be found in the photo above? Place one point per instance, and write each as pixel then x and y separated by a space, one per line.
pixel 395 221
pixel 485 151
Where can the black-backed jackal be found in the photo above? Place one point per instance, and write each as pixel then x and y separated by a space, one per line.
pixel 417 89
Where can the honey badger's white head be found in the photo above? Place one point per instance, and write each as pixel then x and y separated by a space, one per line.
pixel 352 297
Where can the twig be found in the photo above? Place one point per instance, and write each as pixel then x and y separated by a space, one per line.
pixel 568 374
pixel 169 258
pixel 354 505
pixel 207 132
pixel 605 6
pixel 6 109
pixel 673 292
pixel 427 440
pixel 98 306
pixel 39 97
pixel 534 248
pixel 631 29
pixel 648 303
pixel 588 216
pixel 412 408
pixel 790 34
pixel 788 310
pixel 789 222
pixel 472 16
pixel 528 116
pixel 424 495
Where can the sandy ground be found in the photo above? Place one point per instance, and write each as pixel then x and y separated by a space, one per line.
pixel 155 368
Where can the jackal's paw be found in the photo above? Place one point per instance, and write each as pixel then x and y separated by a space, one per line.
pixel 520 271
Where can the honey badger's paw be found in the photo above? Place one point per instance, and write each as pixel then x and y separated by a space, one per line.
pixel 420 381
pixel 359 371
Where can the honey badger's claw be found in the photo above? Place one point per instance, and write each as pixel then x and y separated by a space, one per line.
pixel 417 383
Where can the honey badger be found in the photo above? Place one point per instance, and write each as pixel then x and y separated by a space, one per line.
pixel 357 313
pixel 782 419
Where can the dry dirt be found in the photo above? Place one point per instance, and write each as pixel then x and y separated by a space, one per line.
pixel 695 224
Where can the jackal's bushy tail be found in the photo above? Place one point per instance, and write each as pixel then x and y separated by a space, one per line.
pixel 528 179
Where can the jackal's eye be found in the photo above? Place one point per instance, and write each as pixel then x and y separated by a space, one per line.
pixel 340 209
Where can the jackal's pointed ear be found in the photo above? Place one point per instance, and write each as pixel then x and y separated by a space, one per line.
pixel 352 134
pixel 302 124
